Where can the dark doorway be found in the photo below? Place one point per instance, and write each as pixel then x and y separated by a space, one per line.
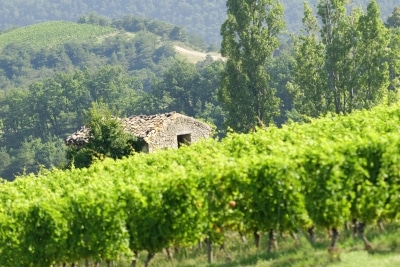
pixel 184 139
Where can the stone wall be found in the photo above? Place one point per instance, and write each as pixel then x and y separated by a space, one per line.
pixel 167 136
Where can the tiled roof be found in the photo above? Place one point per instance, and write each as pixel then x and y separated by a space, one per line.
pixel 79 138
pixel 142 126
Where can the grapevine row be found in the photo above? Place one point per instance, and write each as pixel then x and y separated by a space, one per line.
pixel 320 174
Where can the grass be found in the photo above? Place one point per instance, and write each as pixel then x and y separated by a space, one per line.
pixel 291 253
pixel 54 33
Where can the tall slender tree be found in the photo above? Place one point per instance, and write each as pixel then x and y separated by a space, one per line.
pixel 393 59
pixel 393 56
pixel 334 33
pixel 250 35
pixel 342 67
pixel 308 87
pixel 373 72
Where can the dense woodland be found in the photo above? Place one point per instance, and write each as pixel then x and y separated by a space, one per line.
pixel 203 17
pixel 134 69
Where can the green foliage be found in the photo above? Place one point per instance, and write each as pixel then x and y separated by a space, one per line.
pixel 374 40
pixel 308 85
pixel 340 65
pixel 324 173
pixel 202 18
pixel 94 19
pixel 393 20
pixel 55 106
pixel 394 61
pixel 62 46
pixel 52 34
pixel 250 35
pixel 106 138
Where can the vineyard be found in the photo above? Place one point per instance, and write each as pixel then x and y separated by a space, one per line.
pixel 54 33
pixel 319 175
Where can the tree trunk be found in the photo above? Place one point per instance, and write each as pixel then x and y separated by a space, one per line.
pixel 257 239
pixel 333 250
pixel 294 236
pixel 170 254
pixel 272 242
pixel 367 244
pixel 355 227
pixel 335 237
pixel 209 251
pixel 380 225
pixel 135 259
pixel 243 237
pixel 150 256
pixel 311 234
pixel 228 256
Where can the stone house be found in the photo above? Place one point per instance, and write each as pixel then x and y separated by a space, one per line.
pixel 168 130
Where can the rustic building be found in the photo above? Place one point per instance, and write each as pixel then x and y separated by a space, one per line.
pixel 169 130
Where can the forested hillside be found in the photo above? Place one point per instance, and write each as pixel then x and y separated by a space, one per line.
pixel 51 73
pixel 202 17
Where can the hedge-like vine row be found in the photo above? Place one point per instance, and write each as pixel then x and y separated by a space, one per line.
pixel 323 173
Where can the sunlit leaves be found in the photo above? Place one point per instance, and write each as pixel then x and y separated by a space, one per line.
pixel 323 173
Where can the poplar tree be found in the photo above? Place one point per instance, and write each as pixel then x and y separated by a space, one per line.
pixel 373 72
pixel 250 35
pixel 339 37
pixel 341 68
pixel 308 88
pixel 393 56
pixel 393 59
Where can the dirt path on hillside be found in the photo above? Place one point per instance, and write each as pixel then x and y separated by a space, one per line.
pixel 195 56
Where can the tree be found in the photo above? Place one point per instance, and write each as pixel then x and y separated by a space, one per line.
pixel 16 118
pixel 356 45
pixel 308 87
pixel 179 84
pixel 112 85
pixel 340 66
pixel 107 138
pixel 47 106
pixel 5 160
pixel 393 20
pixel 250 35
pixel 337 36
pixel 32 155
pixel 393 59
pixel 373 73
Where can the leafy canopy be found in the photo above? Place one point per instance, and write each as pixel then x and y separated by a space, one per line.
pixel 107 138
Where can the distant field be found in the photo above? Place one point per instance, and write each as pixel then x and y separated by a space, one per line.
pixel 50 34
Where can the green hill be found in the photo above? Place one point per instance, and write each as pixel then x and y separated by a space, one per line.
pixel 202 17
pixel 54 33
